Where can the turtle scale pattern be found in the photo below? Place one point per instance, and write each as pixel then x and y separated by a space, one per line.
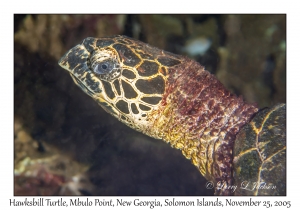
pixel 168 97
pixel 260 154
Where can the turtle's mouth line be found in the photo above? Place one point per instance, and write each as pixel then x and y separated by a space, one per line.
pixel 82 85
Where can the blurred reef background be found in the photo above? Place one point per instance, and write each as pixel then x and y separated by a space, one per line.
pixel 65 144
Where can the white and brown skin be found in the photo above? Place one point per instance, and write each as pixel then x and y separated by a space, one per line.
pixel 165 96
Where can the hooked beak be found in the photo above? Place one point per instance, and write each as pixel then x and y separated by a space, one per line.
pixel 75 60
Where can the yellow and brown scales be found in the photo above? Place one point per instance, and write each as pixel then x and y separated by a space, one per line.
pixel 172 97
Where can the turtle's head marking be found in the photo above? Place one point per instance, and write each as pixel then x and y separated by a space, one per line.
pixel 126 77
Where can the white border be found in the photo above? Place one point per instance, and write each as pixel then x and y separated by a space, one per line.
pixel 154 6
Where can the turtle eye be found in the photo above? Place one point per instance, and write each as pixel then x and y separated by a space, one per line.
pixel 104 67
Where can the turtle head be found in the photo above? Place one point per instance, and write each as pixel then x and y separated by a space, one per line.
pixel 125 76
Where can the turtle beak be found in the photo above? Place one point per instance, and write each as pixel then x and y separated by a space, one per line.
pixel 75 60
